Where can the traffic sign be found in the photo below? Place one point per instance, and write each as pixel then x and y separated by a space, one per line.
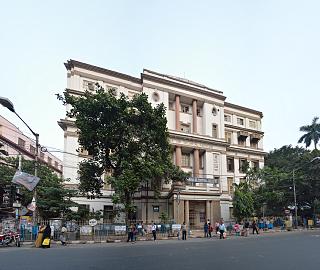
pixel 93 222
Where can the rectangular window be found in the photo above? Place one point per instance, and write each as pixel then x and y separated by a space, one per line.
pixel 198 112
pixel 230 164
pixel 214 131
pixel 185 128
pixel 230 185
pixel 243 164
pixel 56 164
pixel 201 161
pixel 21 143
pixel 253 144
pixel 185 160
pixel 227 118
pixel 88 85
pixel 49 160
pixel 228 136
pixel 255 164
pixel 108 214
pixel 185 109
pixel 252 124
pixel 240 121
pixel 171 106
pixel 241 141
pixel 32 150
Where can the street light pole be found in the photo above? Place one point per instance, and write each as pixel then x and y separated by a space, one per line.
pixel 9 105
pixel 295 199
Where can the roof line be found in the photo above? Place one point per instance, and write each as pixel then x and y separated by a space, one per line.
pixel 182 80
pixel 73 63
pixel 234 106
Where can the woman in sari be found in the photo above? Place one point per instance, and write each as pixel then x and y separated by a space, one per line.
pixel 40 236
pixel 46 237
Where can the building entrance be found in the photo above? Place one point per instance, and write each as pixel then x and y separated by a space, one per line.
pixel 197 214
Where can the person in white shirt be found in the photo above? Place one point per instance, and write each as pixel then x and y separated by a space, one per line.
pixel 222 229
pixel 154 231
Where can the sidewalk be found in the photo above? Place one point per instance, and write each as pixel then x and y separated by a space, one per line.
pixel 194 234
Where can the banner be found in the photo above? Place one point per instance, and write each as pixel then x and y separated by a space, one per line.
pixel 29 181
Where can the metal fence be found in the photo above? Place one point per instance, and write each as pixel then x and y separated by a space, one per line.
pixel 82 231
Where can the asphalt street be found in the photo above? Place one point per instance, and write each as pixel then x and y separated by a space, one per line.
pixel 291 250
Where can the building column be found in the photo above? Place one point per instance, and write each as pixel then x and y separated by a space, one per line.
pixel 194 117
pixel 177 110
pixel 178 211
pixel 208 211
pixel 186 213
pixel 178 156
pixel 196 163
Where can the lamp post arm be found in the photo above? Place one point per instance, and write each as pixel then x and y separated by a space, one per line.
pixel 34 133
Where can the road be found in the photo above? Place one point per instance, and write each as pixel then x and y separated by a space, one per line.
pixel 291 250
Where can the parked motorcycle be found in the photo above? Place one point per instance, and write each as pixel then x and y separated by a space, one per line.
pixel 10 237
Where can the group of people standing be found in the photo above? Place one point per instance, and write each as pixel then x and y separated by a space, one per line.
pixel 135 229
pixel 220 229
pixel 45 234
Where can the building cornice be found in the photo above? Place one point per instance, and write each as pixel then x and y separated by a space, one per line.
pixel 71 64
pixel 244 129
pixel 241 108
pixel 64 123
pixel 233 148
pixel 197 138
pixel 206 92
pixel 182 80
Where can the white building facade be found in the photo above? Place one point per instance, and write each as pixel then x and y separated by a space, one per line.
pixel 212 139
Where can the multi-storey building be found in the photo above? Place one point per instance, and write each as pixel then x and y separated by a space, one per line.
pixel 212 139
pixel 16 143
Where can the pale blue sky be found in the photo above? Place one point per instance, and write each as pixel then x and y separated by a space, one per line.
pixel 261 54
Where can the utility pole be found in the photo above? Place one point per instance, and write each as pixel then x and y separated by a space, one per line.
pixel 295 199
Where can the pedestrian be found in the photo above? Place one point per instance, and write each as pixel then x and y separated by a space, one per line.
pixel 39 239
pixel 184 231
pixel 154 231
pixel 222 230
pixel 63 237
pixel 205 229
pixel 236 228
pixel 246 228
pixel 210 229
pixel 254 227
pixel 46 237
pixel 217 227
pixel 131 229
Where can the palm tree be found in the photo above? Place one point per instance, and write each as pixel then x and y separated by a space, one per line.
pixel 312 133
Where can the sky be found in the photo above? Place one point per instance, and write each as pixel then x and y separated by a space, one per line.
pixel 264 55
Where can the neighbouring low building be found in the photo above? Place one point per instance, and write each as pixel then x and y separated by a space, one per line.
pixel 212 139
pixel 16 143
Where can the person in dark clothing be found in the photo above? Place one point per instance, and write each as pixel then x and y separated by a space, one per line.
pixel 131 230
pixel 46 237
pixel 254 227
pixel 184 231
pixel 206 229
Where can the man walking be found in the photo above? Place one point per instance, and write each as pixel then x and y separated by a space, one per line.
pixel 154 231
pixel 184 231
pixel 254 227
pixel 222 229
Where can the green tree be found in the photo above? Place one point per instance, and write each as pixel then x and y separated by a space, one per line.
pixel 312 133
pixel 128 139
pixel 276 188
pixel 243 204
pixel 53 200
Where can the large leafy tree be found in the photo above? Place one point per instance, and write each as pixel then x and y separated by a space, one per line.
pixel 53 200
pixel 243 203
pixel 312 133
pixel 126 140
pixel 276 189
